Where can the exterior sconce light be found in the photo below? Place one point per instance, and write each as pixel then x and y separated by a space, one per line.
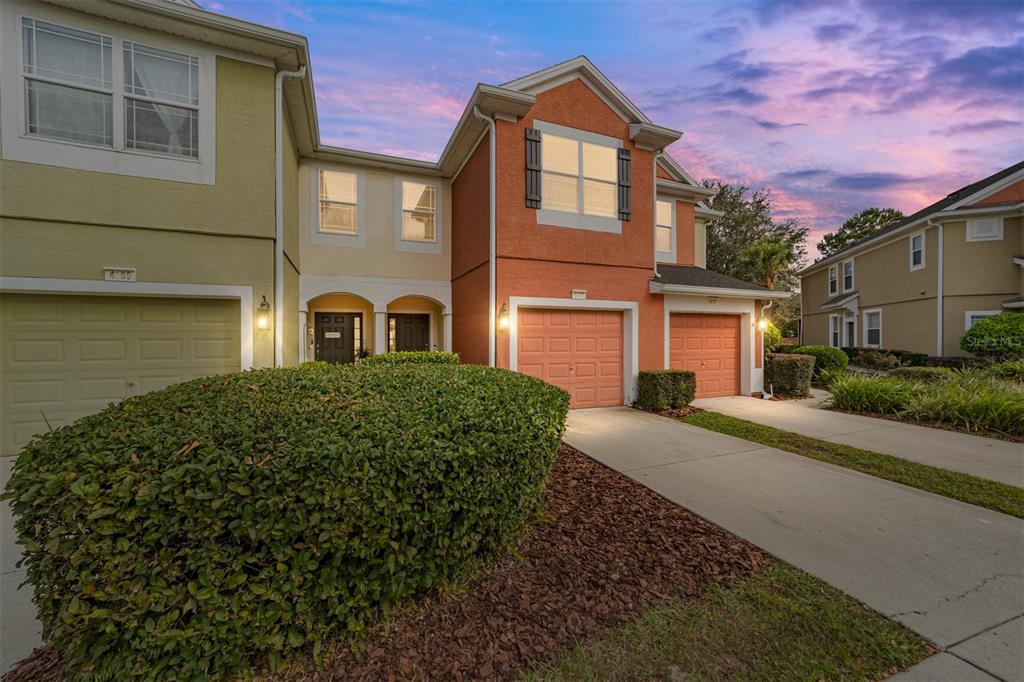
pixel 762 324
pixel 503 318
pixel 263 315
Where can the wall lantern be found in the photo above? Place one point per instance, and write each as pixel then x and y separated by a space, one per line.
pixel 503 318
pixel 263 315
pixel 762 324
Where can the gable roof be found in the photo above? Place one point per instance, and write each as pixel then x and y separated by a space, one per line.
pixel 951 201
pixel 680 277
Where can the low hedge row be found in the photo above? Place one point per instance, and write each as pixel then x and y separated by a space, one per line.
pixel 906 358
pixel 922 373
pixel 826 358
pixel 665 388
pixel 186 532
pixel 789 375
pixel 415 357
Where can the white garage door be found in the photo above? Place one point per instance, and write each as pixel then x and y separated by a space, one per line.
pixel 64 357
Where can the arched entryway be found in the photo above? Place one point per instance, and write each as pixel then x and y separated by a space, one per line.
pixel 415 323
pixel 339 328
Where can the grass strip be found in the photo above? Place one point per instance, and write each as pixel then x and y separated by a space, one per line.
pixel 780 625
pixel 993 495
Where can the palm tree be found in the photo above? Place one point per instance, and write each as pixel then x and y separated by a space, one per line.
pixel 767 260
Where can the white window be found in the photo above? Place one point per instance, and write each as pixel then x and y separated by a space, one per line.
pixel 972 317
pixel 418 216
pixel 850 332
pixel 873 328
pixel 833 281
pixel 848 275
pixel 984 229
pixel 578 177
pixel 338 202
pixel 665 221
pixel 69 83
pixel 917 251
pixel 833 330
pixel 70 92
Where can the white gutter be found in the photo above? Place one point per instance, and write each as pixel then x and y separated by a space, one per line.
pixel 279 212
pixel 660 288
pixel 675 232
pixel 492 247
pixel 938 289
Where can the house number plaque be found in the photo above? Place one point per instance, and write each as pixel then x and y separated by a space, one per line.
pixel 119 274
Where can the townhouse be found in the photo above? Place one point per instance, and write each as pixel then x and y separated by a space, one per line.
pixel 167 210
pixel 919 284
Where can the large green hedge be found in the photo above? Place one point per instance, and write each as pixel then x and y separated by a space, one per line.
pixel 415 357
pixel 187 532
pixel 999 338
pixel 662 389
pixel 789 375
pixel 826 358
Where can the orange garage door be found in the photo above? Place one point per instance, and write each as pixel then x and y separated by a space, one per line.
pixel 580 351
pixel 708 345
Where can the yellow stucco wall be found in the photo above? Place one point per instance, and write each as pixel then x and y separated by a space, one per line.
pixel 291 315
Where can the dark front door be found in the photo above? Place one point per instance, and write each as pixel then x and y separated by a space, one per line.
pixel 338 336
pixel 408 332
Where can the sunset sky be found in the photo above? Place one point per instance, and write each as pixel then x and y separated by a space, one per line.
pixel 833 105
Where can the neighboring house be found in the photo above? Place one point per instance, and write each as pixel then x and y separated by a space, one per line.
pixel 167 210
pixel 919 284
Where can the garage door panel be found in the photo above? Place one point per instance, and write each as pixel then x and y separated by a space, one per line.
pixel 71 356
pixel 580 351
pixel 708 346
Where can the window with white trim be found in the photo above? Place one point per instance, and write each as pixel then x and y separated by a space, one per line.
pixel 984 229
pixel 338 202
pixel 833 281
pixel 833 330
pixel 848 275
pixel 873 328
pixel 71 94
pixel 419 212
pixel 663 226
pixel 578 176
pixel 917 251
pixel 973 317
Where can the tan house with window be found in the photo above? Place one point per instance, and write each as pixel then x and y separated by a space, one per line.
pixel 920 284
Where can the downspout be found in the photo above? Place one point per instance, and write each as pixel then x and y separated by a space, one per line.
pixel 492 247
pixel 938 289
pixel 675 235
pixel 279 212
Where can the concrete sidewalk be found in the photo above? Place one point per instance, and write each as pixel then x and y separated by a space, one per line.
pixel 950 571
pixel 996 460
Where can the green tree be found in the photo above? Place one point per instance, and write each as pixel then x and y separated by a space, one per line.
pixel 857 227
pixel 733 240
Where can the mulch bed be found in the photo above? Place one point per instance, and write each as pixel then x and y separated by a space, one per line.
pixel 677 412
pixel 603 548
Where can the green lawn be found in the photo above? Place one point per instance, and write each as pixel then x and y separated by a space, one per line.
pixel 781 625
pixel 992 495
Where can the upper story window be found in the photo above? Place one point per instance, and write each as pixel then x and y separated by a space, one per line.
pixel 578 177
pixel 917 251
pixel 663 228
pixel 873 328
pixel 71 92
pixel 338 202
pixel 833 281
pixel 419 212
pixel 848 275
pixel 984 229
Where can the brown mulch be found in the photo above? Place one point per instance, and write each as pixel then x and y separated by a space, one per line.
pixel 603 548
pixel 677 412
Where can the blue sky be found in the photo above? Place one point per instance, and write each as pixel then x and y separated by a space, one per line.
pixel 835 105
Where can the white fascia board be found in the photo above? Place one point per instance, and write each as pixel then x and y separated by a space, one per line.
pixel 988 190
pixel 659 288
pixel 372 159
pixel 673 168
pixel 696 192
pixel 702 212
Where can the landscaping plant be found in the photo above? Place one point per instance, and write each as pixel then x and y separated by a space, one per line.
pixel 826 358
pixel 771 338
pixel 662 389
pixel 876 359
pixel 790 375
pixel 415 357
pixel 1011 370
pixel 996 338
pixel 189 532
pixel 922 373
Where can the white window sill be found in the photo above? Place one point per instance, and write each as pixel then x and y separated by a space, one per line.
pixel 418 246
pixel 350 241
pixel 578 221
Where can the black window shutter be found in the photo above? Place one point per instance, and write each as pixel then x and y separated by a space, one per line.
pixel 625 186
pixel 532 168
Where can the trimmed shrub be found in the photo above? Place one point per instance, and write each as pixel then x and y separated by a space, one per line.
pixel 864 393
pixel 790 375
pixel 186 532
pixel 876 359
pixel 997 338
pixel 771 338
pixel 662 389
pixel 955 362
pixel 922 373
pixel 786 348
pixel 850 351
pixel 413 357
pixel 826 358
pixel 1011 370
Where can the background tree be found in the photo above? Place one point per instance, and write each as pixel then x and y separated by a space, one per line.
pixel 766 261
pixel 857 227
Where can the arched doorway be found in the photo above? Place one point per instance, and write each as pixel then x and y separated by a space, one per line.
pixel 415 323
pixel 339 328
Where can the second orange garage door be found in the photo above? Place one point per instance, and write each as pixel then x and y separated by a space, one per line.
pixel 708 345
pixel 580 351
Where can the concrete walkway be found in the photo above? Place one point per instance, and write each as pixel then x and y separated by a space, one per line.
pixel 996 460
pixel 950 571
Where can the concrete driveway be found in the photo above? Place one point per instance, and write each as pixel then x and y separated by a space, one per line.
pixel 996 460
pixel 950 571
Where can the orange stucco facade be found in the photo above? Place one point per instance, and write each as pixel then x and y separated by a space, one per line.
pixel 1008 195
pixel 685 233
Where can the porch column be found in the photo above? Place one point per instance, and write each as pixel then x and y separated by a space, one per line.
pixel 380 329
pixel 303 345
pixel 447 331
